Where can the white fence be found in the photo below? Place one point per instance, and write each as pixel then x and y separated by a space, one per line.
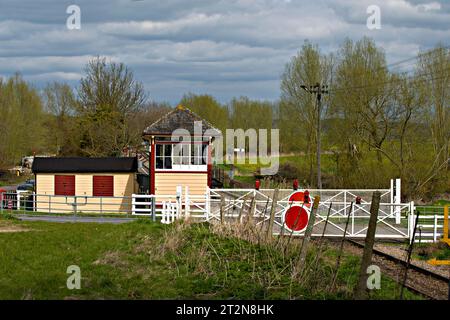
pixel 396 220
pixel 430 227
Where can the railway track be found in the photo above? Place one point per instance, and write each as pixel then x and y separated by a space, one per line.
pixel 420 280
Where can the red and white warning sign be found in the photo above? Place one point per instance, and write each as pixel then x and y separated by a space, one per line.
pixel 296 216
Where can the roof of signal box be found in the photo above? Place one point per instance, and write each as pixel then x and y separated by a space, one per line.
pixel 180 118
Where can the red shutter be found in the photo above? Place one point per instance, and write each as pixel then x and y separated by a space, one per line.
pixel 103 186
pixel 64 185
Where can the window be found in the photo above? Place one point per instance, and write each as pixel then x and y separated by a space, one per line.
pixel 198 154
pixel 103 186
pixel 64 185
pixel 183 157
pixel 163 156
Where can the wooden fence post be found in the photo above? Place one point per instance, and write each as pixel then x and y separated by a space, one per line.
pixel 222 210
pixel 320 242
pixel 272 213
pixel 361 288
pixel 251 210
pixel 341 248
pixel 308 232
pixel 410 250
pixel 244 203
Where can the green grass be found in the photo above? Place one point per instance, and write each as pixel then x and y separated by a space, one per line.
pixel 13 180
pixel 145 260
pixel 440 251
pixel 327 163
pixel 71 214
pixel 297 160
pixel 442 203
pixel 246 179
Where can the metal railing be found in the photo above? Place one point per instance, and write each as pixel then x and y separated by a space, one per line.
pixel 25 202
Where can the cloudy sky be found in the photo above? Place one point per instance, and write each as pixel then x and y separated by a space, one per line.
pixel 222 47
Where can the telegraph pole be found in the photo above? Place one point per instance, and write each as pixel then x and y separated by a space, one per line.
pixel 318 90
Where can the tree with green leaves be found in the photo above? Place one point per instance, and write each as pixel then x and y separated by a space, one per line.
pixel 21 125
pixel 434 70
pixel 300 116
pixel 250 114
pixel 207 107
pixel 363 94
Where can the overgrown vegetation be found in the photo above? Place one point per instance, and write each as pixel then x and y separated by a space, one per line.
pixel 144 260
pixel 378 122
pixel 439 251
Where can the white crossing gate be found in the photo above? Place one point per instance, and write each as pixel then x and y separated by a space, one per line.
pixel 395 219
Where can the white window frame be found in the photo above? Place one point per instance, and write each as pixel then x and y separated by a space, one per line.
pixel 177 166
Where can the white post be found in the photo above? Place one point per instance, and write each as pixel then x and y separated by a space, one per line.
pixel 435 228
pixel 18 201
pixel 207 203
pixel 398 200
pixel 353 219
pixel 163 218
pixel 391 196
pixel 172 211
pixel 345 203
pixel 179 200
pixel 133 204
pixel 412 221
pixel 187 207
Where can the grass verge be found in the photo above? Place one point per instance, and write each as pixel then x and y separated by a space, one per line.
pixel 145 260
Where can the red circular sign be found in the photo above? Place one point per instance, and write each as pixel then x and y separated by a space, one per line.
pixel 296 218
pixel 300 197
pixel 297 196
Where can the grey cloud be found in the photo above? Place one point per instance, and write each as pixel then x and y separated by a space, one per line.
pixel 224 47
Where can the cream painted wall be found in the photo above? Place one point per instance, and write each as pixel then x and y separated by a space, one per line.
pixel 166 183
pixel 124 186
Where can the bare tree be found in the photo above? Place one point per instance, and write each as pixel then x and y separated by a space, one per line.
pixel 108 95
pixel 60 103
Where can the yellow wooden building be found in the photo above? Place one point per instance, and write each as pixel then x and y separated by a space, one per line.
pixel 92 184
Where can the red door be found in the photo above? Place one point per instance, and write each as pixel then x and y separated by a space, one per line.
pixel 64 185
pixel 103 186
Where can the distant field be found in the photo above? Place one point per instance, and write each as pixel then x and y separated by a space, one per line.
pixel 145 260
pixel 328 165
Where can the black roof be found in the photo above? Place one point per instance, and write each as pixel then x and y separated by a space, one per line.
pixel 84 165
pixel 179 118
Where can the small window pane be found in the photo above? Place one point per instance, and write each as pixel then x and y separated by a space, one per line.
pixel 192 154
pixel 168 162
pixel 167 150
pixel 186 154
pixel 159 163
pixel 204 154
pixel 176 160
pixel 159 150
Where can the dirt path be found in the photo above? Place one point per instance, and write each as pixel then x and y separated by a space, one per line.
pixel 9 227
